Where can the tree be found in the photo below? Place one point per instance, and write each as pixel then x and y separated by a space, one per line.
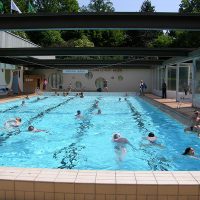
pixel 99 6
pixel 52 38
pixel 106 38
pixel 189 6
pixel 142 38
pixel 163 40
pixel 103 37
pixel 47 38
pixel 81 42
pixel 147 7
pixel 187 38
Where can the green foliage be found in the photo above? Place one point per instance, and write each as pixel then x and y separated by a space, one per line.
pixel 136 38
pixel 99 6
pixel 1 7
pixel 189 6
pixel 162 40
pixel 21 34
pixel 147 7
pixel 187 39
pixel 47 38
pixel 72 34
pixel 68 6
pixel 106 38
pixel 81 42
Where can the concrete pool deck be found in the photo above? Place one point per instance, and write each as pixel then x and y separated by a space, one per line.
pixel 62 184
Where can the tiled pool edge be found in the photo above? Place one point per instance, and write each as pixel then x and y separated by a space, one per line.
pixel 57 184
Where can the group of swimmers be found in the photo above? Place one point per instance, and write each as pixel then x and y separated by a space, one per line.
pixel 14 123
pixel 78 114
pixel 120 147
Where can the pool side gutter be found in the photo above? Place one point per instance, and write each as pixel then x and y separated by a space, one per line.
pixel 168 110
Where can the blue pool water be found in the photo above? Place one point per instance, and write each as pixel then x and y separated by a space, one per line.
pixel 86 143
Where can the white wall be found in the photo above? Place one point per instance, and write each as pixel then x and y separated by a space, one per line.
pixel 130 82
pixel 9 40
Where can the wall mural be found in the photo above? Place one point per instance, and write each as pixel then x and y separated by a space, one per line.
pixel 120 77
pixel 78 85
pixel 55 80
pixel 99 82
pixel 89 75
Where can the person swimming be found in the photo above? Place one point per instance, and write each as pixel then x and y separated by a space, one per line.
pixel 78 114
pixel 151 137
pixel 117 138
pixel 99 112
pixel 13 122
pixel 120 145
pixel 189 151
pixel 33 129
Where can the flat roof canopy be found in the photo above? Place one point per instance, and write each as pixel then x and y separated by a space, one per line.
pixel 96 51
pixel 103 21
pixel 99 21
pixel 136 57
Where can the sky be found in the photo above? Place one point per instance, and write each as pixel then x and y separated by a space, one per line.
pixel 135 5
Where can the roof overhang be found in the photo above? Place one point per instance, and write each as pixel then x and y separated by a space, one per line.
pixel 103 21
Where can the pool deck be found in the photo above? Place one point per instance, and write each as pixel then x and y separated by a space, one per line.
pixel 184 108
pixel 63 184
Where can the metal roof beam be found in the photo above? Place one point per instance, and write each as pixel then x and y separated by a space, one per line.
pixel 102 21
pixel 95 51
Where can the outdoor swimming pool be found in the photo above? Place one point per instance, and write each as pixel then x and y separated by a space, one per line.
pixel 86 143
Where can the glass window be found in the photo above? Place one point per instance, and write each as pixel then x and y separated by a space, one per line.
pixel 161 77
pixel 171 83
pixel 7 76
pixel 183 79
pixel 197 77
pixel 55 80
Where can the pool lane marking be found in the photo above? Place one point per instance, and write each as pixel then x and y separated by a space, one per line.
pixel 71 151
pixel 18 106
pixel 41 114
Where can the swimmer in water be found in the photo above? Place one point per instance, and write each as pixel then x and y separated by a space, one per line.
pixel 78 114
pixel 13 122
pixel 152 140
pixel 151 137
pixel 120 145
pixel 99 112
pixel 33 129
pixel 189 151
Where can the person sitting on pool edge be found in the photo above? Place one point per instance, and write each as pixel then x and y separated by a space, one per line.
pixel 194 123
pixel 33 129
